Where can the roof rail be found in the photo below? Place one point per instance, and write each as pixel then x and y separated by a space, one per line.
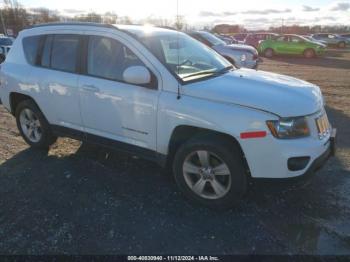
pixel 74 24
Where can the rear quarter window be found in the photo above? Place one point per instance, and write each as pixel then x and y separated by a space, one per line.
pixel 30 47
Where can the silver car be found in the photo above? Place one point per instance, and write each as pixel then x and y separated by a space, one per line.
pixel 238 55
pixel 332 39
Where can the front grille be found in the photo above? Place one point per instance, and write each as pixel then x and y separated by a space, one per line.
pixel 323 126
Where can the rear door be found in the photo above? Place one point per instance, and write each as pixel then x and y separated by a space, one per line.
pixel 56 74
pixel 280 44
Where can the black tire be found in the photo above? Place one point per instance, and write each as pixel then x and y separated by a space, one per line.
pixel 268 52
pixel 341 44
pixel 2 58
pixel 309 53
pixel 231 156
pixel 47 138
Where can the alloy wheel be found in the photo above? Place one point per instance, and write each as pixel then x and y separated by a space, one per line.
pixel 30 125
pixel 206 174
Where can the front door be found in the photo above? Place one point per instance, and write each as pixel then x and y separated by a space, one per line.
pixel 295 45
pixel 110 107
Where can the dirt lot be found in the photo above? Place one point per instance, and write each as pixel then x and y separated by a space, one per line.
pixel 82 199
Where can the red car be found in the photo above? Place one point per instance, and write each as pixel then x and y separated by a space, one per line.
pixel 254 39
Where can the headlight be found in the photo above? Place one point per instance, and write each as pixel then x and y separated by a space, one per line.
pixel 243 58
pixel 292 127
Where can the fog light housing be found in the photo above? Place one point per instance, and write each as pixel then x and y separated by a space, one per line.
pixel 298 163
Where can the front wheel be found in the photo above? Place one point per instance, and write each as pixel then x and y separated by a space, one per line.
pixel 309 53
pixel 33 126
pixel 210 172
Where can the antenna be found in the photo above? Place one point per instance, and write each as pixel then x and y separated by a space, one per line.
pixel 178 46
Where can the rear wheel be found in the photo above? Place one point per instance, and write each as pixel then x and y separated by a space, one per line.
pixel 210 172
pixel 309 53
pixel 269 52
pixel 33 126
pixel 341 44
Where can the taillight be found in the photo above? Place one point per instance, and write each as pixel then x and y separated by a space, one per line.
pixel 255 56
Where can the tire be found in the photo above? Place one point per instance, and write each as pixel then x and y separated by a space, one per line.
pixel 232 180
pixel 341 44
pixel 2 58
pixel 309 53
pixel 33 125
pixel 268 52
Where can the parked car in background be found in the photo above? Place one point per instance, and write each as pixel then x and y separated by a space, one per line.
pixel 255 38
pixel 332 39
pixel 214 126
pixel 347 36
pixel 309 37
pixel 238 55
pixel 5 46
pixel 227 39
pixel 240 37
pixel 291 45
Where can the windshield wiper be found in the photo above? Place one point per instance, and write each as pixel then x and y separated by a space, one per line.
pixel 211 73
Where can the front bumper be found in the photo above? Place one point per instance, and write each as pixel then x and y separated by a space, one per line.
pixel 269 157
pixel 322 159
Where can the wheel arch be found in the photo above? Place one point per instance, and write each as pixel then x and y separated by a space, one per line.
pixel 16 98
pixel 183 133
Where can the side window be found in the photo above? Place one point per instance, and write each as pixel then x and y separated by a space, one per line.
pixel 64 52
pixel 108 58
pixel 281 39
pixel 294 39
pixel 31 47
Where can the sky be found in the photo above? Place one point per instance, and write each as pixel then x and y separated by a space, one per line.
pixel 252 14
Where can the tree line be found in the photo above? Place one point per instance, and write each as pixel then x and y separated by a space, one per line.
pixel 15 17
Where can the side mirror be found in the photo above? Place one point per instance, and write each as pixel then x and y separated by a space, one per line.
pixel 137 75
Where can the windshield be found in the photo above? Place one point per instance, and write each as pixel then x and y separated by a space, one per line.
pixel 5 41
pixel 212 39
pixel 185 57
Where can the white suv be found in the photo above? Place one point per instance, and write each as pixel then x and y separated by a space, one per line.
pixel 162 95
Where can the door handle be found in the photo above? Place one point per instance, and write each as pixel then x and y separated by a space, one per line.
pixel 91 88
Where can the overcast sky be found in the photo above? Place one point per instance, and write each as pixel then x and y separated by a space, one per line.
pixel 252 14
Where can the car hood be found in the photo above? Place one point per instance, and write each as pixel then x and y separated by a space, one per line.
pixel 238 47
pixel 279 94
pixel 242 47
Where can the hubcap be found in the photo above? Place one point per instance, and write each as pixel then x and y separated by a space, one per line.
pixel 30 125
pixel 206 174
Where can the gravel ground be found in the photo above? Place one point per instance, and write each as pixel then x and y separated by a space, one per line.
pixel 81 199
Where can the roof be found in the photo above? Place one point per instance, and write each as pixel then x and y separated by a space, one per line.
pixel 139 31
pixel 74 24
pixel 145 30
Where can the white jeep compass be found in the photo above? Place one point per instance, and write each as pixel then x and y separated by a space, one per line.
pixel 162 95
